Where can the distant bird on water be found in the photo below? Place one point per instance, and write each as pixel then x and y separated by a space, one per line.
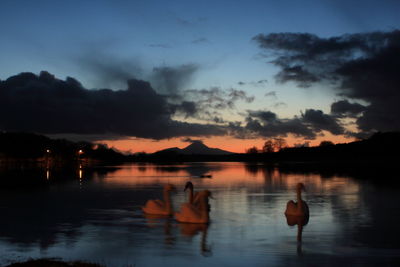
pixel 199 213
pixel 160 207
pixel 300 208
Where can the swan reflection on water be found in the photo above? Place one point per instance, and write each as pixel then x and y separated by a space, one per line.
pixel 192 229
pixel 186 230
pixel 154 221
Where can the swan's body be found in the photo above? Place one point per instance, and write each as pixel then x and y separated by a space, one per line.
pixel 160 207
pixel 195 213
pixel 299 208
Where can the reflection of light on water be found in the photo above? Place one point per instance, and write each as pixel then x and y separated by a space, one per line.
pixel 80 173
pixel 351 201
pixel 47 174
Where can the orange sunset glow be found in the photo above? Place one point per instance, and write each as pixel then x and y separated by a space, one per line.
pixel 223 142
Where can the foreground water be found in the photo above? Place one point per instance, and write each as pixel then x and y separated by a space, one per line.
pixel 95 216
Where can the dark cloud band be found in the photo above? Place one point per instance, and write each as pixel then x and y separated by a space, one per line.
pixel 48 105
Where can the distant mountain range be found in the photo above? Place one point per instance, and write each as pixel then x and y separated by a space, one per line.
pixel 196 148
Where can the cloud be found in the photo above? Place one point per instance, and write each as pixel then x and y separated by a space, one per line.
pixel 320 121
pixel 108 70
pixel 160 45
pixel 344 108
pixel 170 80
pixel 47 105
pixel 361 66
pixel 190 22
pixel 209 103
pixel 271 94
pixel 192 141
pixel 254 83
pixel 201 40
pixel 308 125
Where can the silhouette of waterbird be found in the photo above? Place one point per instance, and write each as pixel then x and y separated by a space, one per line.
pixel 299 208
pixel 160 207
pixel 199 213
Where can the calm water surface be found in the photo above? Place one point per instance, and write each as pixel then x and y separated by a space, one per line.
pixel 95 216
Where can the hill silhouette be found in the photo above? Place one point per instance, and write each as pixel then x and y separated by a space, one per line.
pixel 195 148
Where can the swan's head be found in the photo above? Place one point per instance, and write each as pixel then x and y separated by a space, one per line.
pixel 300 186
pixel 188 185
pixel 169 187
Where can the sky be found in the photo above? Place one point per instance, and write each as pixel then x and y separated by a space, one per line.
pixel 147 75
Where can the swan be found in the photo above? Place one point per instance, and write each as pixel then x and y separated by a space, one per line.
pixel 160 207
pixel 199 213
pixel 300 208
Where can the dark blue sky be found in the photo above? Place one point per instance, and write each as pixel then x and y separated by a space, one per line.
pixel 104 43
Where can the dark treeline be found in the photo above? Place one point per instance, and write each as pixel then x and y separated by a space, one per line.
pixel 381 147
pixel 39 148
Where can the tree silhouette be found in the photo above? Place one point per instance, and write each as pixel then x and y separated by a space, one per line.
pixel 268 146
pixel 279 143
pixel 274 145
pixel 326 143
pixel 252 150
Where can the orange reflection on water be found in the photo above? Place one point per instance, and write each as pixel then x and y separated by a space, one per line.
pixel 228 175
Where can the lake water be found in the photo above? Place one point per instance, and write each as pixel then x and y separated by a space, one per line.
pixel 95 216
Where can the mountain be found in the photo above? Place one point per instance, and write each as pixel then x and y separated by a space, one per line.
pixel 195 148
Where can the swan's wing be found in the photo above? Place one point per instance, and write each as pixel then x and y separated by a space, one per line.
pixel 188 213
pixel 291 207
pixel 154 206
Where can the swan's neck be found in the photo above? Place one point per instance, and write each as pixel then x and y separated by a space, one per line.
pixel 299 200
pixel 167 201
pixel 190 195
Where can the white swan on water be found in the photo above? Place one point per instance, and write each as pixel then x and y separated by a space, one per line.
pixel 160 207
pixel 300 208
pixel 199 213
